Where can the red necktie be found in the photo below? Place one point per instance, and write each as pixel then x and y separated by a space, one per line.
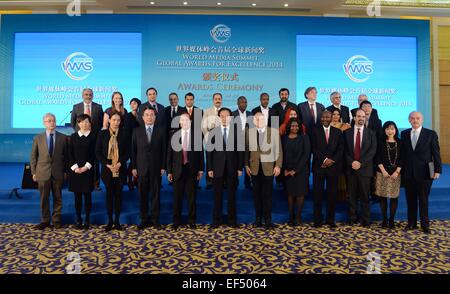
pixel 357 155
pixel 185 146
pixel 313 114
pixel 327 135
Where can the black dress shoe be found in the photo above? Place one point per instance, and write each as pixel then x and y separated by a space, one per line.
pixel 352 222
pixel 291 223
pixel 175 226
pixel 108 227
pixel 118 227
pixel 257 224
pixel 57 226
pixel 332 225
pixel 410 227
pixel 391 224
pixel 234 225
pixel 215 226
pixel 42 226
pixel 157 226
pixel 87 226
pixel 317 225
pixel 270 225
pixel 192 226
pixel 426 230
pixel 142 226
pixel 79 225
pixel 365 225
pixel 384 224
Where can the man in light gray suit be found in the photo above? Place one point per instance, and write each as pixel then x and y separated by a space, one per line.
pixel 48 163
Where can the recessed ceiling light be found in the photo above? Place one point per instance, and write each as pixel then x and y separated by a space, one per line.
pixel 152 3
pixel 185 3
pixel 253 4
pixel 218 3
pixel 286 5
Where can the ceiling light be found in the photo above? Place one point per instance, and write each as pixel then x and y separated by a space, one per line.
pixel 253 4
pixel 185 3
pixel 286 5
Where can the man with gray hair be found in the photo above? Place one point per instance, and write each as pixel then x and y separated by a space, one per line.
pixel 421 164
pixel 336 99
pixel 48 162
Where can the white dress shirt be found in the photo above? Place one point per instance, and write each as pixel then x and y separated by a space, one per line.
pixel 265 112
pixel 243 117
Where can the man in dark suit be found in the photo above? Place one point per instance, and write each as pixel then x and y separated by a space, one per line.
pixel 372 121
pixel 94 110
pixel 421 165
pixel 263 161
pixel 225 161
pixel 266 111
pixel 336 99
pixel 171 112
pixel 49 163
pixel 310 111
pixel 328 148
pixel 361 98
pixel 152 94
pixel 148 155
pixel 185 168
pixel 360 148
pixel 283 105
pixel 243 119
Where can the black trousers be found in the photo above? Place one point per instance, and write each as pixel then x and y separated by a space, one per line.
pixel 418 191
pixel 262 196
pixel 232 182
pixel 359 188
pixel 79 204
pixel 114 199
pixel 319 180
pixel 149 185
pixel 185 184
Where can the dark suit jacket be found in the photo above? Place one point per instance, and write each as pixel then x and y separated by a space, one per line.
pixel 280 112
pixel 175 159
pixel 271 113
pixel 334 150
pixel 96 116
pixel 45 166
pixel 160 116
pixel 353 112
pixel 248 124
pixel 345 112
pixel 306 118
pixel 169 118
pixel 415 162
pixel 147 158
pixel 101 152
pixel 368 150
pixel 215 160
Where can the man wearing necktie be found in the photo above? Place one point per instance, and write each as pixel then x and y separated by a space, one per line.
pixel 185 168
pixel 263 160
pixel 360 149
pixel 224 163
pixel 49 163
pixel 328 149
pixel 152 94
pixel 148 153
pixel 310 111
pixel 421 165
pixel 172 112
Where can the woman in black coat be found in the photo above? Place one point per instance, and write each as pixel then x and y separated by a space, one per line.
pixel 81 176
pixel 113 151
pixel 296 155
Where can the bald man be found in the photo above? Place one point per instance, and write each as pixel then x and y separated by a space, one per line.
pixel 421 165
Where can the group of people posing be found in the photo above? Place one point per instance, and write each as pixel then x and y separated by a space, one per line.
pixel 351 154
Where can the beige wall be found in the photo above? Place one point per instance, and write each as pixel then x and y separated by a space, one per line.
pixel 444 91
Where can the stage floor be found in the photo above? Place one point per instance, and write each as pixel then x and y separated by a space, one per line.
pixel 26 210
pixel 245 250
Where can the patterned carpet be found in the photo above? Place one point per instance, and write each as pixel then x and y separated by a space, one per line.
pixel 246 250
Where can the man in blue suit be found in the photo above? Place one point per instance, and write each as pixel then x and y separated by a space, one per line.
pixel 310 111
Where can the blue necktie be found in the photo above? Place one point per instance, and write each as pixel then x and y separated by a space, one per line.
pixel 224 139
pixel 149 134
pixel 50 146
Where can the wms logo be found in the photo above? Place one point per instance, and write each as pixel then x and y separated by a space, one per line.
pixel 77 66
pixel 220 33
pixel 358 68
